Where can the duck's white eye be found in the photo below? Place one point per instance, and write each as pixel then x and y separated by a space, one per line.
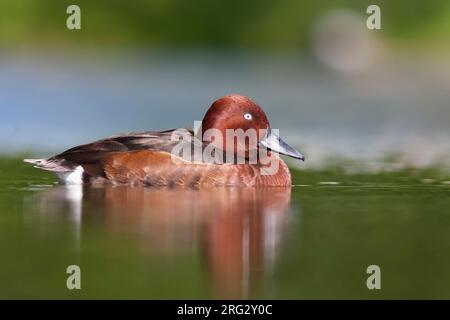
pixel 247 116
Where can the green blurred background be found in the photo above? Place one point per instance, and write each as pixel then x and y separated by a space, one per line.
pixel 262 24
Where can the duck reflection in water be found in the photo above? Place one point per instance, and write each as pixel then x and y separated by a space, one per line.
pixel 237 231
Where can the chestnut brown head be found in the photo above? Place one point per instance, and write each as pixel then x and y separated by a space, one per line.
pixel 235 112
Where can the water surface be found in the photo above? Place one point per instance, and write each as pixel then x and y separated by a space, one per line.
pixel 312 241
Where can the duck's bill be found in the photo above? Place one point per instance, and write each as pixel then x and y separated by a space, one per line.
pixel 273 142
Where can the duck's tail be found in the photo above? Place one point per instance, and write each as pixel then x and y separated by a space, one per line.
pixel 67 173
pixel 48 164
pixel 35 162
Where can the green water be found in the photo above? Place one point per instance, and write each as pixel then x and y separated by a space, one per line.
pixel 314 241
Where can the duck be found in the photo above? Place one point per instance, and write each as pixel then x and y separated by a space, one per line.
pixel 149 158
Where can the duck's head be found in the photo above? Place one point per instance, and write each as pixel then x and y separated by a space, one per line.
pixel 236 112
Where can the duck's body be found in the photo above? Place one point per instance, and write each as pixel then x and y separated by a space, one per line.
pixel 147 158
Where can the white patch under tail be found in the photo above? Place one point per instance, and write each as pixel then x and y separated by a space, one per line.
pixel 71 177
pixel 66 174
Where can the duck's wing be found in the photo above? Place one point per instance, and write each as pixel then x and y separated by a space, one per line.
pixel 134 141
pixel 93 153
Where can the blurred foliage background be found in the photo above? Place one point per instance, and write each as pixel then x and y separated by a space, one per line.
pixel 258 24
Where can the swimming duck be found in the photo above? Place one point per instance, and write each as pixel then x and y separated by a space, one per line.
pixel 147 158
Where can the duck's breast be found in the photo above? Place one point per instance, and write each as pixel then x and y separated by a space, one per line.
pixel 159 168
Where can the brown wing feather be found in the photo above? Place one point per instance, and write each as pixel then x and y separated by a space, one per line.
pixel 90 155
pixel 150 140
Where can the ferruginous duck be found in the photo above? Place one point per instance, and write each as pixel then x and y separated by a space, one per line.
pixel 235 146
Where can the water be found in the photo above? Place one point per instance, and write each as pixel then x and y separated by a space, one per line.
pixel 314 240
